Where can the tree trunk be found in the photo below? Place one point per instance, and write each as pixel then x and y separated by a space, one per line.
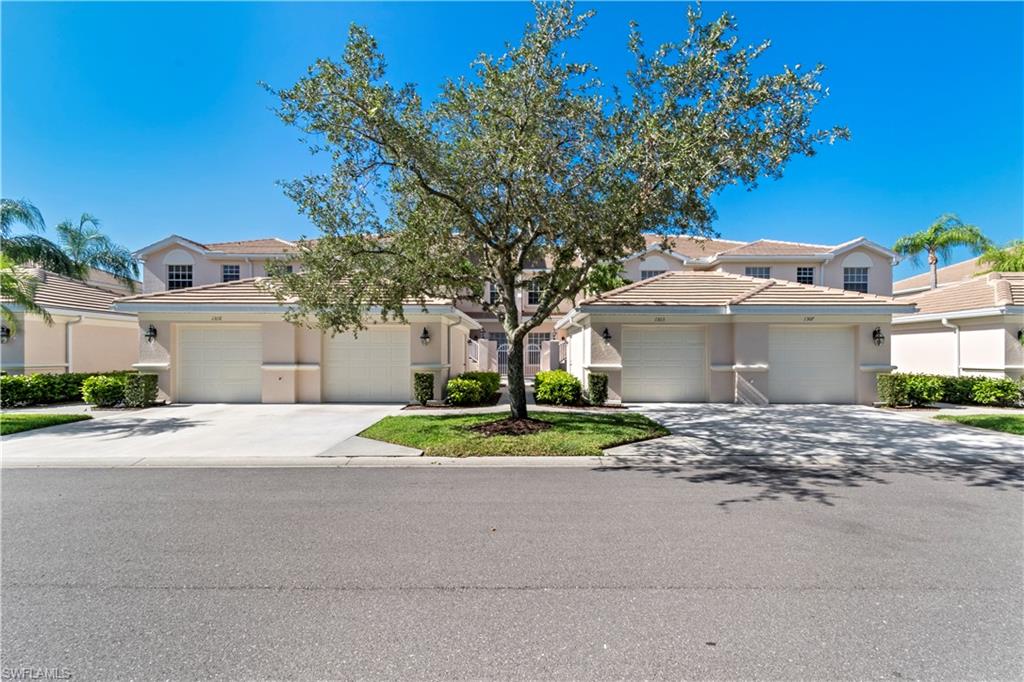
pixel 933 261
pixel 516 377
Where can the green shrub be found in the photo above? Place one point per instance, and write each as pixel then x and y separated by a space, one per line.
pixel 461 391
pixel 557 387
pixel 43 389
pixel 597 389
pixel 140 390
pixel 921 389
pixel 104 390
pixel 423 387
pixel 491 381
pixel 997 392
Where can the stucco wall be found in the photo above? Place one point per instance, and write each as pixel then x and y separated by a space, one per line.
pixel 786 271
pixel 879 274
pixel 204 270
pixel 103 346
pixel 988 347
pixel 653 261
pixel 928 349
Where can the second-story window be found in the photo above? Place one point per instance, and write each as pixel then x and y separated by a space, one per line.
pixel 230 273
pixel 758 271
pixel 532 293
pixel 492 294
pixel 647 274
pixel 179 276
pixel 855 279
pixel 805 275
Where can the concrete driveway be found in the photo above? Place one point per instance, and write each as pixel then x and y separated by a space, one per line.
pixel 810 451
pixel 203 434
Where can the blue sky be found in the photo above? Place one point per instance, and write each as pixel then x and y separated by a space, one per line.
pixel 150 117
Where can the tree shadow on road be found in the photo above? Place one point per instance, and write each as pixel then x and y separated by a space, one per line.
pixel 813 452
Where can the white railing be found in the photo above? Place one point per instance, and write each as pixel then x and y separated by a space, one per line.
pixel 473 351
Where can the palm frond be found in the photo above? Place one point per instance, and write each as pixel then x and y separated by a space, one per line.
pixel 19 212
pixel 31 249
pixel 18 287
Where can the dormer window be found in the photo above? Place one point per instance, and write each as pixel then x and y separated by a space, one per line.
pixel 758 271
pixel 179 276
pixel 855 279
pixel 230 273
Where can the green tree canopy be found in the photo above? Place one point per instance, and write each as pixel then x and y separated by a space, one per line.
pixel 1009 258
pixel 530 159
pixel 938 241
pixel 87 247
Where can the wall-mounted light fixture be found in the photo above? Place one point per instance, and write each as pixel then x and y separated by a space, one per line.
pixel 877 336
pixel 425 336
pixel 151 333
pixel 5 334
pixel 606 335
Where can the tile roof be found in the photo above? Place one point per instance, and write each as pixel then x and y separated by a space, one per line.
pixel 254 246
pixel 240 292
pixel 772 247
pixel 57 291
pixel 957 272
pixel 995 290
pixel 692 247
pixel 718 289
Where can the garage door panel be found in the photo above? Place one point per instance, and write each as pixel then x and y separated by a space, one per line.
pixel 665 363
pixel 370 367
pixel 220 364
pixel 808 365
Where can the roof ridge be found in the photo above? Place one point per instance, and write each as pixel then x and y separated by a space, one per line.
pixel 1000 289
pixel 202 287
pixel 628 287
pixel 756 290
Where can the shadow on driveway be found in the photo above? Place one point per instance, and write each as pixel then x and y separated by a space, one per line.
pixel 812 452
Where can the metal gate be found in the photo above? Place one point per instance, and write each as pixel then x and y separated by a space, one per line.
pixel 503 359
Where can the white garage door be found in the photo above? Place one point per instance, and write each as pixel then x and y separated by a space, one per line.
pixel 220 364
pixel 811 365
pixel 663 364
pixel 372 367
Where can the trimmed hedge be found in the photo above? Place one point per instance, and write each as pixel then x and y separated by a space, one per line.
pixel 899 389
pixel 423 387
pixel 557 387
pixel 22 390
pixel 461 391
pixel 140 390
pixel 597 389
pixel 104 390
pixel 490 381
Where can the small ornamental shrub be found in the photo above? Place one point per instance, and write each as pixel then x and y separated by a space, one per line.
pixel 557 387
pixel 491 381
pixel 104 390
pixel 597 389
pixel 43 389
pixel 901 389
pixel 140 390
pixel 423 386
pixel 461 391
pixel 997 392
pixel 17 390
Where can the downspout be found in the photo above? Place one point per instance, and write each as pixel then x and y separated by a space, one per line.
pixel 67 342
pixel 956 332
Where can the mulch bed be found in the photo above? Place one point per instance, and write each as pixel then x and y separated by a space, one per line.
pixel 511 427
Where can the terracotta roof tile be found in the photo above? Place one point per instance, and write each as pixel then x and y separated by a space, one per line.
pixel 693 247
pixel 951 274
pixel 717 289
pixel 56 291
pixel 254 246
pixel 994 290
pixel 240 292
pixel 771 247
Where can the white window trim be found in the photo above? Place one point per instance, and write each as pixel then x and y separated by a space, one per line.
pixel 767 270
pixel 648 274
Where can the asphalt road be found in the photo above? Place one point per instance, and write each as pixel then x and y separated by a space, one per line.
pixel 512 573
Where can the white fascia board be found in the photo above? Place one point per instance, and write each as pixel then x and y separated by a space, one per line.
pixel 113 314
pixel 570 318
pixel 868 244
pixel 167 241
pixel 960 314
pixel 649 309
pixel 654 248
pixel 271 308
pixel 226 255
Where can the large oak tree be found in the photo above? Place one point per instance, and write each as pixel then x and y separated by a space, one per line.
pixel 528 159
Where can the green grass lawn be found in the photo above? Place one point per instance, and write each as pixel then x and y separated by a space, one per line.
pixel 1007 423
pixel 570 434
pixel 21 421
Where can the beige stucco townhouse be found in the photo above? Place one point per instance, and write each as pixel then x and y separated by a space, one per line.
pixel 712 336
pixel 86 334
pixel 972 326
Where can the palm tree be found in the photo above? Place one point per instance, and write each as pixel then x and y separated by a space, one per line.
pixel 18 286
pixel 29 247
pixel 938 242
pixel 88 247
pixel 1009 258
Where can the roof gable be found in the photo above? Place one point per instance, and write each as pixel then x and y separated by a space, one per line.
pixel 996 290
